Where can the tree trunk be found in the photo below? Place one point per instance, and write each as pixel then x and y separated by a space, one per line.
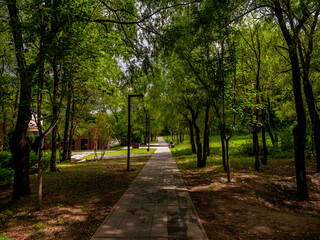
pixel 66 126
pixel 53 167
pixel 228 159
pixel 206 137
pixel 223 147
pixel 274 139
pixel 193 145
pixel 55 115
pixel 4 129
pixel 299 130
pixel 71 130
pixel 208 142
pixel 198 137
pixel 40 170
pixel 256 149
pixel 308 92
pixel 146 135
pixel 256 127
pixel 265 150
pixel 39 107
pixel 19 143
pixel 199 147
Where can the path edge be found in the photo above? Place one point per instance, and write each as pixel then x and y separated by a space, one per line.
pixel 116 205
pixel 194 208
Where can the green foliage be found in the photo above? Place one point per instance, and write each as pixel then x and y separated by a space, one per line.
pixel 34 161
pixel 3 237
pixel 136 137
pixel 6 160
pixel 6 167
pixel 6 164
pixel 247 148
pixel 6 175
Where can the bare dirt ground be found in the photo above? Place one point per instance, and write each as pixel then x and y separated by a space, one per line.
pixel 75 201
pixel 255 205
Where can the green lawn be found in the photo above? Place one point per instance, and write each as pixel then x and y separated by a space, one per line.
pixel 122 152
pixel 237 144
pixel 239 149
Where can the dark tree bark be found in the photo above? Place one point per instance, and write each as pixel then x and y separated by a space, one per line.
pixel 66 126
pixel 4 128
pixel 264 142
pixel 19 143
pixel 42 134
pixel 307 87
pixel 206 137
pixel 146 134
pixel 223 148
pixel 257 128
pixel 198 137
pixel 193 145
pixel 228 159
pixel 55 110
pixel 71 129
pixel 299 130
pixel 256 149
pixel 274 137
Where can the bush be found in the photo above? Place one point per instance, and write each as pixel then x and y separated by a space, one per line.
pixel 6 175
pixel 247 148
pixel 286 141
pixel 136 137
pixel 186 151
pixel 34 161
pixel 6 160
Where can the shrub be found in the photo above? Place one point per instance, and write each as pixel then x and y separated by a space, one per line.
pixel 34 161
pixel 186 151
pixel 136 137
pixel 286 141
pixel 247 148
pixel 6 160
pixel 6 175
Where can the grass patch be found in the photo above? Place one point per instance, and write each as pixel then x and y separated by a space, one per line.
pixel 122 152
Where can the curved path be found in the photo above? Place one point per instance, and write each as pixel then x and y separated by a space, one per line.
pixel 156 205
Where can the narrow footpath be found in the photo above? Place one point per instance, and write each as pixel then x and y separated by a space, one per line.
pixel 156 205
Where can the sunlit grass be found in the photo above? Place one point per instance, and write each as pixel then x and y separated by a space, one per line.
pixel 188 160
pixel 122 152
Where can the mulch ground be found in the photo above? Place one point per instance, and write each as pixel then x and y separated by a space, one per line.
pixel 76 200
pixel 255 205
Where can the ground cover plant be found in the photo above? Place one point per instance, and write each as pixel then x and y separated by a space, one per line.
pixel 76 199
pixel 256 204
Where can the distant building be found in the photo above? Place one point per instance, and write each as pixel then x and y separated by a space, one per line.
pixel 87 142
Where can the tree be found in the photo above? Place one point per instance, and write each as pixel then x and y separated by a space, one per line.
pixel 291 25
pixel 19 142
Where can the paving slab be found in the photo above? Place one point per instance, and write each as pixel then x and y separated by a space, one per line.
pixel 156 205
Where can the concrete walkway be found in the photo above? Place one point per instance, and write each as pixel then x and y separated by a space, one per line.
pixel 156 205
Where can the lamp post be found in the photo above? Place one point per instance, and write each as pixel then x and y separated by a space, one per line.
pixel 129 127
pixel 149 133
